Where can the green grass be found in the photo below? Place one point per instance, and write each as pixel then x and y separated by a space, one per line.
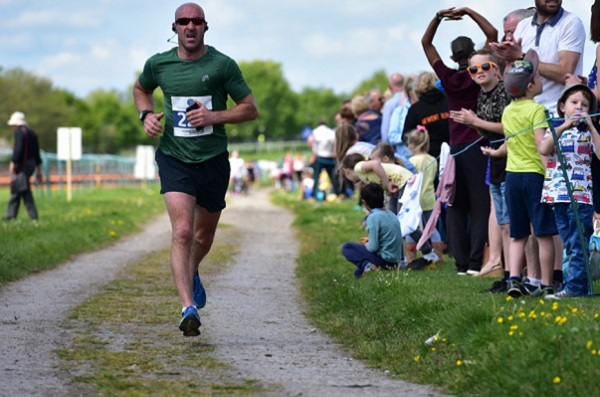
pixel 93 219
pixel 488 345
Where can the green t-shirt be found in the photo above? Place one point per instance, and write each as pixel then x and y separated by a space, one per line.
pixel 519 120
pixel 209 80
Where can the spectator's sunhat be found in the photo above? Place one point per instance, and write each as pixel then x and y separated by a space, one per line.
pixel 567 91
pixel 16 119
pixel 462 47
pixel 520 73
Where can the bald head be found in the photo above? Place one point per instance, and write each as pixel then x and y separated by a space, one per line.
pixel 396 82
pixel 187 7
pixel 511 21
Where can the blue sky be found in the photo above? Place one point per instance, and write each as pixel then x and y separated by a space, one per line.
pixel 102 44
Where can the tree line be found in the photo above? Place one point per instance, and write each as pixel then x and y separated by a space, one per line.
pixel 109 119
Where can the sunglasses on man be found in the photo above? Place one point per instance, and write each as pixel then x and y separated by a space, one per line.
pixel 186 21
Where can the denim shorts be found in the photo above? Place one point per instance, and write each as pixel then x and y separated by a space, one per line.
pixel 523 198
pixel 499 198
pixel 207 181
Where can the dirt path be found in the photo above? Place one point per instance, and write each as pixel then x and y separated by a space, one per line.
pixel 253 317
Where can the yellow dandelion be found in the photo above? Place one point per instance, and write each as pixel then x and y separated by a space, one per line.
pixel 511 333
pixel 510 318
pixel 574 310
pixel 522 314
pixel 563 320
pixel 594 352
pixel 500 320
pixel 555 306
pixel 556 380
pixel 509 298
pixel 596 315
pixel 541 301
pixel 459 363
pixel 417 358
pixel 112 233
pixel 444 340
pixel 433 349
pixel 514 327
pixel 588 344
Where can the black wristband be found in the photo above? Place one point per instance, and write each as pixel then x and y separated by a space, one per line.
pixel 439 16
pixel 144 113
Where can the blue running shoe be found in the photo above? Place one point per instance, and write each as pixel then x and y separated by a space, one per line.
pixel 199 293
pixel 190 322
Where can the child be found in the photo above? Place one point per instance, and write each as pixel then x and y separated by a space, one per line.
pixel 418 143
pixel 384 152
pixel 306 184
pixel 575 103
pixel 525 124
pixel 381 249
pixel 360 171
pixel 491 101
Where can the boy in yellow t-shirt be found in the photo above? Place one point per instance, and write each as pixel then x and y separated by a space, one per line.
pixel 525 124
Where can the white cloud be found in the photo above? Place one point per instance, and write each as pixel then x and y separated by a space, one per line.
pixel 56 18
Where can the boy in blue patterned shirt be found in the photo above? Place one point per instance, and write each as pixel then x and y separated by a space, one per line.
pixel 577 137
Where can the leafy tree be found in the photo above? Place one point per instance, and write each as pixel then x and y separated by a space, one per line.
pixel 317 105
pixel 45 107
pixel 277 103
pixel 378 80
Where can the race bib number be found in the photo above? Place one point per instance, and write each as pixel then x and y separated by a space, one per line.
pixel 181 126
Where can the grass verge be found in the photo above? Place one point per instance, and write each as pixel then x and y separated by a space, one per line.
pixel 486 344
pixel 93 219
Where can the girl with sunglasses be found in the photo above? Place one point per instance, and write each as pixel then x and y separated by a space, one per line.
pixel 491 101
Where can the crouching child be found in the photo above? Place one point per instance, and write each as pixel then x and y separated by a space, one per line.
pixel 382 247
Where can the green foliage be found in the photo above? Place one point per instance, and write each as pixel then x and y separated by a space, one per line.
pixel 317 105
pixel 109 119
pixel 379 81
pixel 487 344
pixel 93 219
pixel 46 108
pixel 276 103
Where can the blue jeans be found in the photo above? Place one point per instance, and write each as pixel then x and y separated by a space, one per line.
pixel 358 254
pixel 577 282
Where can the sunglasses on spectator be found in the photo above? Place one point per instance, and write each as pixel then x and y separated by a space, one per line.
pixel 483 66
pixel 186 21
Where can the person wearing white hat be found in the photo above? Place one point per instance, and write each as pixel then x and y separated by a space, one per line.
pixel 25 159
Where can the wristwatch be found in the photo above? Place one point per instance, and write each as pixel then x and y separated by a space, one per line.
pixel 144 113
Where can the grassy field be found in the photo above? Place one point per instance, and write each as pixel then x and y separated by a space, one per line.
pixel 93 219
pixel 483 344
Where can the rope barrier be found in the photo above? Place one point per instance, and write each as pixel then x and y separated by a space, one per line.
pixel 550 120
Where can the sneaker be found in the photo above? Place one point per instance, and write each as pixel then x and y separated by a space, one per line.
pixel 499 286
pixel 564 294
pixel 516 289
pixel 198 293
pixel 190 322
pixel 472 272
pixel 420 264
pixel 541 291
pixel 432 256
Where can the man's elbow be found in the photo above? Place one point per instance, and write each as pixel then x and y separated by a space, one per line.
pixel 253 112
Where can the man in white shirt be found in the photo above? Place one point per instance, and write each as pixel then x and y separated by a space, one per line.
pixel 558 37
